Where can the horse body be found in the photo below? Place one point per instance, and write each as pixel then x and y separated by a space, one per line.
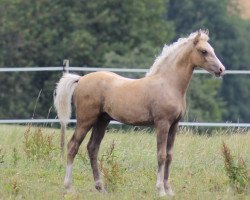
pixel 112 91
pixel 114 96
pixel 157 99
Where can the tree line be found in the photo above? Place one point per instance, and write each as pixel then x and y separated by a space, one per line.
pixel 119 33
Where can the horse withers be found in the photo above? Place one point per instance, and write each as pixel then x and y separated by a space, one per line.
pixel 157 99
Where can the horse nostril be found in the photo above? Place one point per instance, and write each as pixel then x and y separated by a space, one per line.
pixel 221 70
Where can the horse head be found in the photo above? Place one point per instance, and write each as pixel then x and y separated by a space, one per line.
pixel 203 55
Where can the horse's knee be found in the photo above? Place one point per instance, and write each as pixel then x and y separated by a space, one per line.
pixel 161 158
pixel 91 149
pixel 169 157
pixel 73 147
pixel 169 154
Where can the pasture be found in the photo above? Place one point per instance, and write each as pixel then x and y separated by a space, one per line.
pixel 128 160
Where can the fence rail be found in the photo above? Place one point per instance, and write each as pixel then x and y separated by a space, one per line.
pixel 92 69
pixel 44 121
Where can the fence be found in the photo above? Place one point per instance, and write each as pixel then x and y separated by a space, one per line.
pixel 124 70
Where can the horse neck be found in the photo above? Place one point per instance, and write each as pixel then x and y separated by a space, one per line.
pixel 179 73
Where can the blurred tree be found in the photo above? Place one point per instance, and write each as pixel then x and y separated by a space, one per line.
pixel 93 33
pixel 129 32
pixel 204 103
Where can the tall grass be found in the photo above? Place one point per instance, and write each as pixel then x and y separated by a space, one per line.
pixel 1 155
pixel 37 145
pixel 236 171
pixel 111 169
pixel 128 165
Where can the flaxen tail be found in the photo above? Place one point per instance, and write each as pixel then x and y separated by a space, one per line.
pixel 62 101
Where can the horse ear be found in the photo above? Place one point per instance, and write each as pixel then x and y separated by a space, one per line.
pixel 197 38
pixel 206 32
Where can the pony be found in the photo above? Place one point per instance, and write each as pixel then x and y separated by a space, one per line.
pixel 157 99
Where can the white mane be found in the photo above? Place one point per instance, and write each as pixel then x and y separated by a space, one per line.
pixel 172 49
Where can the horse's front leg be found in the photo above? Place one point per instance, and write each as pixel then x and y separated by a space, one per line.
pixel 162 129
pixel 170 144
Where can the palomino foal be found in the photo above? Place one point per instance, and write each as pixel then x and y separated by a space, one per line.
pixel 157 99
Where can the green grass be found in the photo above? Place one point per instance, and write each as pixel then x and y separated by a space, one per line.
pixel 197 169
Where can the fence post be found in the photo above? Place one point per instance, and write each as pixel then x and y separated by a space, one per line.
pixel 65 66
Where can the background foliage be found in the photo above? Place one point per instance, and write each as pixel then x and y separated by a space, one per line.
pixel 115 33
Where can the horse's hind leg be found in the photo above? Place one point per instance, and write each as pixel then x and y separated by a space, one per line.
pixel 169 150
pixel 73 146
pixel 93 148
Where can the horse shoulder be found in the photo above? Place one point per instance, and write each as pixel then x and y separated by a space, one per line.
pixel 167 104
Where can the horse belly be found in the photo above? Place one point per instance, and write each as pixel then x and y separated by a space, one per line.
pixel 128 111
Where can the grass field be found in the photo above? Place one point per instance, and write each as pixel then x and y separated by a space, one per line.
pixel 197 168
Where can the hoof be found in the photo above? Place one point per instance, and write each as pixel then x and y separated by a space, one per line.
pixel 168 189
pixel 67 184
pixel 170 192
pixel 103 191
pixel 69 190
pixel 162 194
pixel 100 188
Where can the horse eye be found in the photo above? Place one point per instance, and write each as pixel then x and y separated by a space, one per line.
pixel 204 52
